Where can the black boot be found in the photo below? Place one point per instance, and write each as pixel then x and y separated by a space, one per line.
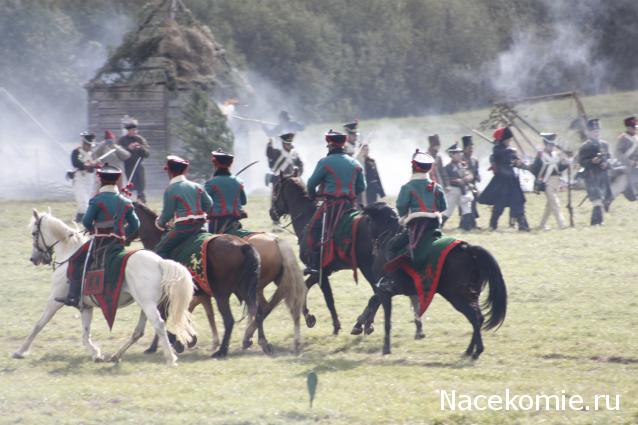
pixel 523 226
pixel 597 216
pixel 73 297
pixel 494 221
pixel 79 217
pixel 468 222
pixel 313 265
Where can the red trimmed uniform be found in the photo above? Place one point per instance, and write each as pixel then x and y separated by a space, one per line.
pixel 227 193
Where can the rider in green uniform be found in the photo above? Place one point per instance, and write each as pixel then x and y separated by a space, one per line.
pixel 185 202
pixel 227 193
pixel 111 219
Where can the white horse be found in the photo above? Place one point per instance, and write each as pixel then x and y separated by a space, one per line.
pixel 148 280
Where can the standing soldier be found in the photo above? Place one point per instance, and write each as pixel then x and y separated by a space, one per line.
pixel 282 161
pixel 627 154
pixel 105 218
pixel 472 164
pixel 139 149
pixel 83 177
pixel 437 173
pixel 594 158
pixel 116 158
pixel 547 168
pixel 504 190
pixel 352 136
pixel 227 193
pixel 458 190
pixel 185 202
pixel 340 180
pixel 374 188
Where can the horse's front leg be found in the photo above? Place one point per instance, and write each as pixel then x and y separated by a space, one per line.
pixel 137 334
pixel 50 309
pixel 330 302
pixel 87 316
pixel 414 300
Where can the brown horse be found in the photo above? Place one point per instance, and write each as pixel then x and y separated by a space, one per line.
pixel 466 271
pixel 233 267
pixel 290 197
pixel 278 264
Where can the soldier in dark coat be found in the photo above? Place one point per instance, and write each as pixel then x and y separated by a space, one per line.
pixel 594 157
pixel 139 149
pixel 504 190
pixel 374 188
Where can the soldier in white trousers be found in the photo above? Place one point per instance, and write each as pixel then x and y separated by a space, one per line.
pixel 83 174
pixel 548 167
pixel 457 190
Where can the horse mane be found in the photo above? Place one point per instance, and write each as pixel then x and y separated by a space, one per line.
pixel 145 208
pixel 299 185
pixel 383 214
pixel 59 228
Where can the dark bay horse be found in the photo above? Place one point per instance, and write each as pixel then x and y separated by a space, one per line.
pixel 466 271
pixel 233 267
pixel 290 197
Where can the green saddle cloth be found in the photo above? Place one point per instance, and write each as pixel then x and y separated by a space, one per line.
pixel 190 254
pixel 241 233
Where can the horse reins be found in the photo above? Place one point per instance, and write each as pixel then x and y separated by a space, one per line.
pixel 48 248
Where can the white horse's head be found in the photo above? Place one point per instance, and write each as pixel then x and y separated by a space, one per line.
pixel 47 232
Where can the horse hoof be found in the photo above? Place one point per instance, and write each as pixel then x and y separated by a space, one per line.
pixel 475 356
pixel 266 348
pixel 150 350
pixel 386 351
pixel 115 359
pixel 356 330
pixel 419 335
pixel 246 344
pixel 98 359
pixel 219 354
pixel 336 330
pixel 296 348
pixel 179 347
pixel 193 342
pixel 369 329
pixel 17 355
pixel 311 321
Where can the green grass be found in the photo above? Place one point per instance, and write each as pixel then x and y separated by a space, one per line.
pixel 571 325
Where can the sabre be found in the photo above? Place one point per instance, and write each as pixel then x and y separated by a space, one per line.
pixel 137 163
pixel 322 242
pixel 71 174
pixel 101 157
pixel 246 167
pixel 86 263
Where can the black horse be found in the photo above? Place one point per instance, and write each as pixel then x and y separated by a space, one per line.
pixel 290 197
pixel 466 271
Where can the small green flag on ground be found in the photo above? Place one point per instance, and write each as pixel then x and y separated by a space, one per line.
pixel 312 380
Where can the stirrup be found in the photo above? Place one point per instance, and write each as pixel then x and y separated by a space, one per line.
pixel 310 271
pixel 68 301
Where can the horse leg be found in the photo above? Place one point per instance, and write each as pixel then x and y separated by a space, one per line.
pixel 472 312
pixel 311 320
pixel 154 316
pixel 358 327
pixel 224 309
pixel 50 309
pixel 138 332
pixel 210 315
pixel 330 302
pixel 87 316
pixel 414 300
pixel 386 302
pixel 263 342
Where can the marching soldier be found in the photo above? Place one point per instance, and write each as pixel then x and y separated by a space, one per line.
pixel 139 149
pixel 594 157
pixel 352 136
pixel 547 168
pixel 282 161
pixel 111 219
pixel 504 190
pixel 472 164
pixel 627 154
pixel 227 193
pixel 185 202
pixel 374 188
pixel 437 173
pixel 83 177
pixel 458 190
pixel 340 180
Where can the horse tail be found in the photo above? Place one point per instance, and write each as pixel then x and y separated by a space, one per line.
pixel 291 282
pixel 490 272
pixel 177 291
pixel 249 278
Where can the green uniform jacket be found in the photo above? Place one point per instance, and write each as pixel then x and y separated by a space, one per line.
pixel 109 212
pixel 184 200
pixel 227 193
pixel 422 197
pixel 339 175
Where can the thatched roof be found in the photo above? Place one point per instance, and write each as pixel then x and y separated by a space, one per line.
pixel 169 47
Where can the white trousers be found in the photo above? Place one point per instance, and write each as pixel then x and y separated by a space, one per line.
pixel 456 198
pixel 83 189
pixel 552 206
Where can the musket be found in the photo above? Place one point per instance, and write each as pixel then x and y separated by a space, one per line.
pixel 482 136
pixel 253 120
pixel 246 167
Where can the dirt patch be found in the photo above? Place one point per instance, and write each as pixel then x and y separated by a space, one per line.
pixel 614 359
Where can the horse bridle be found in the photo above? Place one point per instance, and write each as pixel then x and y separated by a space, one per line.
pixel 48 249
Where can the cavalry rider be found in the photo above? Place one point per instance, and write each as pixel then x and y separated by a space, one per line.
pixel 106 217
pixel 594 157
pixel 421 203
pixel 282 161
pixel 340 180
pixel 83 177
pixel 459 193
pixel 185 202
pixel 227 193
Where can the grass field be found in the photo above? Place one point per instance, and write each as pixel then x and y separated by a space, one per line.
pixel 571 326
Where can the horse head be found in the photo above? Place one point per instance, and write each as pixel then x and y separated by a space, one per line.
pixel 384 220
pixel 287 189
pixel 47 232
pixel 148 233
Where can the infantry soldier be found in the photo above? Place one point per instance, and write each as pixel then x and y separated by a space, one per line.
pixel 547 168
pixel 185 202
pixel 594 158
pixel 83 177
pixel 139 149
pixel 374 188
pixel 504 190
pixel 472 164
pixel 227 193
pixel 116 158
pixel 340 180
pixel 106 217
pixel 458 190
pixel 282 161
pixel 437 173
pixel 352 136
pixel 627 154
